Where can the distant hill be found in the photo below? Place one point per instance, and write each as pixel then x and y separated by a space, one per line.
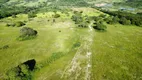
pixel 109 4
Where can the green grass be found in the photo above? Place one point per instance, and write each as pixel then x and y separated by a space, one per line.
pixel 117 53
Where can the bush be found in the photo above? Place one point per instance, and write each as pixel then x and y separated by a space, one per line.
pixel 98 18
pixel 124 21
pixel 27 33
pixel 19 24
pixel 83 25
pixel 5 47
pixel 115 19
pixel 55 56
pixel 10 24
pixel 56 15
pixel 31 15
pixel 77 17
pixel 14 16
pixel 100 26
pixel 77 44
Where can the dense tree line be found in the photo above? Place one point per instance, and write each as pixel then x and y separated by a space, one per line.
pixel 124 18
pixel 13 10
pixel 132 3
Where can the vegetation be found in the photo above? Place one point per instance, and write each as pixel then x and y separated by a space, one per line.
pixel 80 20
pixel 55 56
pixel 16 24
pixel 113 49
pixel 5 47
pixel 27 33
pixel 22 71
pixel 19 24
pixel 77 44
pixel 67 46
pixel 124 18
pixel 31 15
pixel 100 26
pixel 131 3
pixel 56 15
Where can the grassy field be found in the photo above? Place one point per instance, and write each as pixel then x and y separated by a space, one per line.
pixel 117 53
pixel 81 53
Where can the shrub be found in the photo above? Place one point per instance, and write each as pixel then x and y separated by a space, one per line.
pixel 115 19
pixel 5 47
pixel 27 33
pixel 83 25
pixel 10 24
pixel 19 24
pixel 31 15
pixel 56 15
pixel 108 20
pixel 100 26
pixel 55 56
pixel 77 17
pixel 77 44
pixel 14 16
pixel 98 18
pixel 124 21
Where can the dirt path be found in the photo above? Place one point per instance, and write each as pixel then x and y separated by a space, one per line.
pixel 80 66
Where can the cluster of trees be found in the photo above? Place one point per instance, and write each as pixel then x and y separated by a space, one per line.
pixel 78 3
pixel 6 11
pixel 124 18
pixel 81 21
pixel 22 71
pixel 27 33
pixel 84 21
pixel 132 3
pixel 99 22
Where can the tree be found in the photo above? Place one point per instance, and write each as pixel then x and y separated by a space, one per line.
pixel 115 19
pixel 124 21
pixel 100 26
pixel 27 33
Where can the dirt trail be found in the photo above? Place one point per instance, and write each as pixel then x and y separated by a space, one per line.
pixel 80 66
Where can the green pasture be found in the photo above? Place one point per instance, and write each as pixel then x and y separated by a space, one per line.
pixel 116 53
